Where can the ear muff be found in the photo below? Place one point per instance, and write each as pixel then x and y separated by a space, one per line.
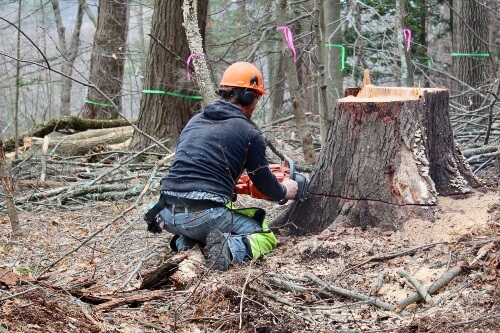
pixel 246 97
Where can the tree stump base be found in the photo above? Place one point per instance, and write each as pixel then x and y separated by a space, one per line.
pixel 386 151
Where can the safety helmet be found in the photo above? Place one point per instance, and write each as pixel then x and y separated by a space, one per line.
pixel 243 75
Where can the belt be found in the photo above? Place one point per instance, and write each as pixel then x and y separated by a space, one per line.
pixel 192 205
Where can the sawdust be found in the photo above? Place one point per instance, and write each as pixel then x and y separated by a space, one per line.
pixel 454 218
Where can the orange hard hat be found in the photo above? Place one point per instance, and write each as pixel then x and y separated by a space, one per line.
pixel 243 75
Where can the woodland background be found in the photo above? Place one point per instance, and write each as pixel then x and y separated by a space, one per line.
pixel 83 256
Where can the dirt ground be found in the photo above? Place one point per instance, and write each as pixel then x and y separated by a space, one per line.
pixel 90 267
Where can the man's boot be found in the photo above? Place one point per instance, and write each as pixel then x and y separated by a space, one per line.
pixel 219 255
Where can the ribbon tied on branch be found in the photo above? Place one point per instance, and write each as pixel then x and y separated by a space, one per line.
pixel 189 60
pixel 289 40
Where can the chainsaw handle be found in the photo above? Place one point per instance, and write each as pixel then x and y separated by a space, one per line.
pixel 291 166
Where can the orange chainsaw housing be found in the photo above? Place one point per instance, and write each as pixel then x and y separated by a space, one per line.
pixel 246 186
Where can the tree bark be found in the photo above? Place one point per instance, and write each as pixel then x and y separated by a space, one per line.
pixel 108 60
pixel 205 84
pixel 69 52
pixel 9 197
pixel 83 142
pixel 165 115
pixel 380 160
pixel 295 95
pixel 470 39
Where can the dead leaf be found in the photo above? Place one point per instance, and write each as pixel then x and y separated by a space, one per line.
pixel 7 278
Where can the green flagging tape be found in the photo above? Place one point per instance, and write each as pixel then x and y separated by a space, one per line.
pixel 342 49
pixel 99 104
pixel 470 54
pixel 153 92
pixel 171 94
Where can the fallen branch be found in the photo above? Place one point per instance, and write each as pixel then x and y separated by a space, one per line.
pixel 417 285
pixel 434 288
pixel 351 294
pixel 391 255
pixel 378 283
pixel 139 298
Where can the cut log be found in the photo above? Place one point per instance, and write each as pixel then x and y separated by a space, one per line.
pixel 388 153
pixel 180 270
pixel 83 142
pixel 65 123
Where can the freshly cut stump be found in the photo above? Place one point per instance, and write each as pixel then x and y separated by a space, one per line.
pixel 389 152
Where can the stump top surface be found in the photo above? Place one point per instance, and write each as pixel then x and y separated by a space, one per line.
pixel 371 93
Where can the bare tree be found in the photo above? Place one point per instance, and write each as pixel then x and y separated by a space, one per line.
pixel 108 60
pixel 69 52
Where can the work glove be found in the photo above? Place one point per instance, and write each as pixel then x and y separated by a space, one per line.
pixel 155 225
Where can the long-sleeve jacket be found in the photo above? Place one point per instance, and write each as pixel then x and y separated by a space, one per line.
pixel 214 148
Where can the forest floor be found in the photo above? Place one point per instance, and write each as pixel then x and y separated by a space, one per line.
pixel 80 269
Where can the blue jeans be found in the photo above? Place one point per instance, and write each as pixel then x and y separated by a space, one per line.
pixel 194 227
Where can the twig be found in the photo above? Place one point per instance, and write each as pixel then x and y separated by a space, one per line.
pixel 85 241
pixel 278 299
pixel 351 294
pixel 454 291
pixel 434 288
pixel 468 322
pixel 417 285
pixel 142 297
pixel 156 327
pixel 243 295
pixel 391 255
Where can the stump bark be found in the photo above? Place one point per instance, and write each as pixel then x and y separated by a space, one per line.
pixel 389 152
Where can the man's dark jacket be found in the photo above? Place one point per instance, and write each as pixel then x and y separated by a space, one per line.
pixel 214 148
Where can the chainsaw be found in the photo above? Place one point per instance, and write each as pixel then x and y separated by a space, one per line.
pixel 281 172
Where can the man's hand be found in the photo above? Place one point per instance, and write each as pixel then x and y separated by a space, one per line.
pixel 291 188
pixel 155 225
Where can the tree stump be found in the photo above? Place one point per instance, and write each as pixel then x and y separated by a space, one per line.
pixel 389 152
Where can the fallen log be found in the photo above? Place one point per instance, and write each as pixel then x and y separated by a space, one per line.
pixel 83 142
pixel 75 124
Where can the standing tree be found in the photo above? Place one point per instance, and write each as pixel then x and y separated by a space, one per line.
pixel 471 52
pixel 295 95
pixel 165 112
pixel 333 59
pixel 69 52
pixel 107 60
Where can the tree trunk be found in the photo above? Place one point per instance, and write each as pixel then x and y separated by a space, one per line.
pixel 195 41
pixel 384 149
pixel 9 197
pixel 69 52
pixel 470 44
pixel 107 60
pixel 162 114
pixel 333 58
pixel 295 95
pixel 319 29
